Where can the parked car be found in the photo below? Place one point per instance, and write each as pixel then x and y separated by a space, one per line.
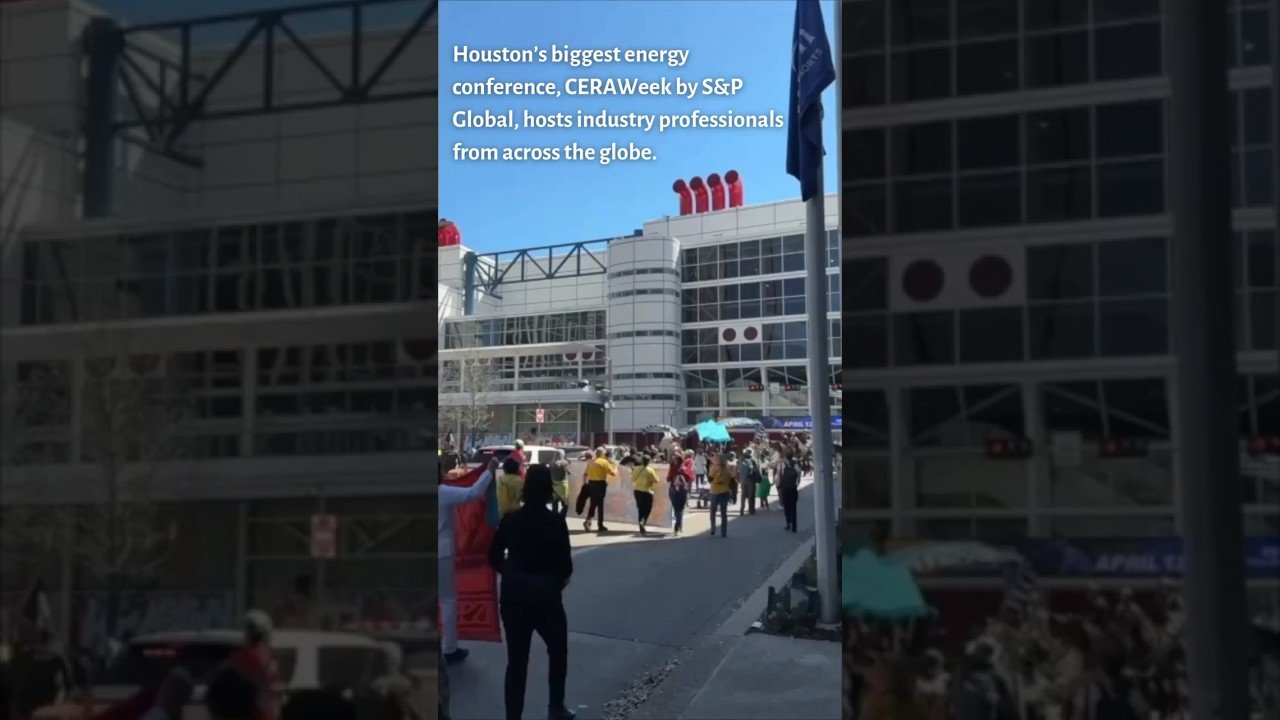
pixel 354 665
pixel 535 454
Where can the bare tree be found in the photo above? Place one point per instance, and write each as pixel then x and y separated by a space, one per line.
pixel 471 379
pixel 129 413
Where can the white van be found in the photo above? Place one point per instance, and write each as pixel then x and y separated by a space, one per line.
pixel 348 663
pixel 534 454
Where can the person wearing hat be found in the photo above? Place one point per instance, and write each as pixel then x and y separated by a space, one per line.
pixel 175 692
pixel 256 662
pixel 598 473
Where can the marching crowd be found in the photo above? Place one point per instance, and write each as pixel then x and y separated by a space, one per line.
pixel 714 475
pixel 1117 660
pixel 531 551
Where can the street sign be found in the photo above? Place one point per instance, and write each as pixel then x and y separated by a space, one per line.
pixel 324 536
pixel 540 415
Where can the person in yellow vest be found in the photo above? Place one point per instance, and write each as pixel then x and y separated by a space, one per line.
pixel 721 487
pixel 645 480
pixel 599 471
pixel 510 487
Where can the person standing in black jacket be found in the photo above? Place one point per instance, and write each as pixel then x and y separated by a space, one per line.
pixel 531 552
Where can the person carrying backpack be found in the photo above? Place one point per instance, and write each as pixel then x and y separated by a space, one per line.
pixel 789 489
pixel 679 480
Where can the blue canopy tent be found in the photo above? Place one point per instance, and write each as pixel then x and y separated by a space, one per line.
pixel 712 431
pixel 876 588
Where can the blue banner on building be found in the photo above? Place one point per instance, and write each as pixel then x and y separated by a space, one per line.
pixel 1135 557
pixel 1150 558
pixel 801 422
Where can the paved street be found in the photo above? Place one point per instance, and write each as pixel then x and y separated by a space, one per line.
pixel 638 603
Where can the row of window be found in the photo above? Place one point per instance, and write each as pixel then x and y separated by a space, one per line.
pixel 1044 137
pixel 638 398
pixel 873 24
pixel 397 236
pixel 644 291
pixel 968 416
pixel 647 376
pixel 779 341
pixel 771 298
pixel 643 333
pixel 1048 331
pixel 645 271
pixel 1127 268
pixel 1041 60
pixel 749 258
pixel 583 326
pixel 250 290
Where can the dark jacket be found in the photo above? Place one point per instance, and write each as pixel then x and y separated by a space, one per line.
pixel 531 552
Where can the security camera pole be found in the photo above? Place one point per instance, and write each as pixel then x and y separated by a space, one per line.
pixel 812 70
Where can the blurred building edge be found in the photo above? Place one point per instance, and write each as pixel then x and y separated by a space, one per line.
pixel 217 327
pixel 1006 255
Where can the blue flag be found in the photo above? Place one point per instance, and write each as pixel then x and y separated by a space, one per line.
pixel 812 70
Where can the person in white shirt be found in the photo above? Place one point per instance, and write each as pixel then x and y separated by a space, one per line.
pixel 174 693
pixel 451 497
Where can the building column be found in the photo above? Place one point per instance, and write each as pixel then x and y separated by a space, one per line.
pixel 241 600
pixel 249 396
pixel 1038 465
pixel 76 377
pixel 1175 466
pixel 901 467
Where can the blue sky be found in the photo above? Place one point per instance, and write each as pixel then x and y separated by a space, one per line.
pixel 507 205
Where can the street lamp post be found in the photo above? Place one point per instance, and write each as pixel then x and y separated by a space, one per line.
pixel 604 391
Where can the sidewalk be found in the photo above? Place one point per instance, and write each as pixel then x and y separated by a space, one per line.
pixel 657 628
pixel 754 676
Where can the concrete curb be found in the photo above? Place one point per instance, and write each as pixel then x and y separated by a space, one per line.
pixel 740 622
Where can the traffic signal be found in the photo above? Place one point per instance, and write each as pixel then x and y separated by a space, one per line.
pixel 1263 445
pixel 1014 448
pixel 755 388
pixel 1122 448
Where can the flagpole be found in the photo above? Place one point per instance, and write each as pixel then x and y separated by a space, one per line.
pixel 1204 384
pixel 815 237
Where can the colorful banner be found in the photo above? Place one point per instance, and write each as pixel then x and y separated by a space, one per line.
pixel 474 525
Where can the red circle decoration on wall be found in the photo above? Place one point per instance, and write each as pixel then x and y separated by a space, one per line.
pixel 990 276
pixel 729 334
pixel 923 280
pixel 751 334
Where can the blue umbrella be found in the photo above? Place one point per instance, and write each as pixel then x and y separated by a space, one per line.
pixel 712 431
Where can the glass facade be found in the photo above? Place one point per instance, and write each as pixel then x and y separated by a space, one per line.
pixel 1070 186
pixel 230 269
pixel 322 399
pixel 584 326
pixel 905 51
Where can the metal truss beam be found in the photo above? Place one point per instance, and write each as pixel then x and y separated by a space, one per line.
pixel 164 96
pixel 486 272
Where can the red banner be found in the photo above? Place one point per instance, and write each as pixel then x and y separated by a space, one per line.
pixel 477 583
